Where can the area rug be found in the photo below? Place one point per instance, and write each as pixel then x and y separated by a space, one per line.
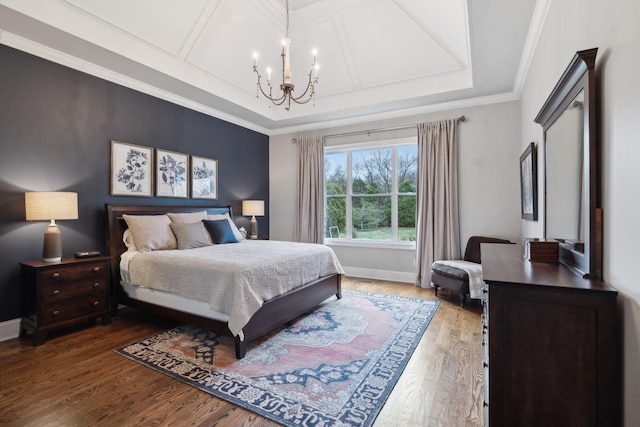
pixel 333 367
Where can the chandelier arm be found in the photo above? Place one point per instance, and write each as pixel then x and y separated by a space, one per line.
pixel 276 101
pixel 311 84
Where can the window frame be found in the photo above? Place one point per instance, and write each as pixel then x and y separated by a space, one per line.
pixel 393 144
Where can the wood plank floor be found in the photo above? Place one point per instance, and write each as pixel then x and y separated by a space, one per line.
pixel 75 379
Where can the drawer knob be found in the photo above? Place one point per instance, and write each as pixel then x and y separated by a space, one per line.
pixel 96 303
pixel 95 285
pixel 56 292
pixel 485 404
pixel 96 269
pixel 55 275
pixel 485 365
pixel 55 313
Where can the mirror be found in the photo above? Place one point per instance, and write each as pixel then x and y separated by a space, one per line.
pixel 563 168
pixel 573 215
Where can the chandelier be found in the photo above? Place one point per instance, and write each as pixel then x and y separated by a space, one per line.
pixel 287 86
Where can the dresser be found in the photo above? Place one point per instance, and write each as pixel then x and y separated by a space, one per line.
pixel 551 344
pixel 60 294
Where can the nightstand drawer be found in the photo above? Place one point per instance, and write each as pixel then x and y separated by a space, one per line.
pixel 73 273
pixel 72 309
pixel 55 293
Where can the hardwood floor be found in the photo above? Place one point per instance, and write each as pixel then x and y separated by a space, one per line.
pixel 75 379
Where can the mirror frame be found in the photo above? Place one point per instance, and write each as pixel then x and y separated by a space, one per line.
pixel 579 76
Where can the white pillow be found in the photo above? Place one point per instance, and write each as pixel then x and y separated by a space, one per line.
pixel 151 232
pixel 127 238
pixel 188 217
pixel 226 216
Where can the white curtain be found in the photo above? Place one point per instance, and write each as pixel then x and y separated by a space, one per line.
pixel 309 219
pixel 438 225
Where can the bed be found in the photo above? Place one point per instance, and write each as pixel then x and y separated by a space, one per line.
pixel 273 312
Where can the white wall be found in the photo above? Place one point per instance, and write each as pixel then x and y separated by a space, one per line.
pixel 488 180
pixel 610 25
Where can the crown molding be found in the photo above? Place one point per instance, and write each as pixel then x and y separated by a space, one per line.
pixel 531 43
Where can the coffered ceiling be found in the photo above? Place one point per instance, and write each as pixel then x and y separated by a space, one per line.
pixel 377 58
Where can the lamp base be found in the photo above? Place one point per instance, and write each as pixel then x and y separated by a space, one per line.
pixel 253 228
pixel 52 249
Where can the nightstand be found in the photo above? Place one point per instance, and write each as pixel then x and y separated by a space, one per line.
pixel 56 295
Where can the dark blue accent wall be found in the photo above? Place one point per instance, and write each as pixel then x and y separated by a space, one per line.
pixel 56 125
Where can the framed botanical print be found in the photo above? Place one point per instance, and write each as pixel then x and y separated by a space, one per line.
pixel 204 178
pixel 529 183
pixel 172 171
pixel 131 170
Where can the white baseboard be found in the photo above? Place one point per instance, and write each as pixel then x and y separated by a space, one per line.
pixel 370 273
pixel 9 329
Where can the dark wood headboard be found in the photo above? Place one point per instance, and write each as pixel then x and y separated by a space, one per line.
pixel 116 226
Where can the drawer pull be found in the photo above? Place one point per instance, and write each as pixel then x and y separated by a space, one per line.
pixel 55 275
pixel 55 313
pixel 95 285
pixel 96 303
pixel 96 269
pixel 56 292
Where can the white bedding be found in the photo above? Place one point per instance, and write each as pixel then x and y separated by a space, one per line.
pixel 233 279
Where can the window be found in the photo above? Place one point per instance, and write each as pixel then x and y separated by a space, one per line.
pixel 371 191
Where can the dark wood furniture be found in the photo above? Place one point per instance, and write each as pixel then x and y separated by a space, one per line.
pixel 456 279
pixel 551 344
pixel 273 313
pixel 60 294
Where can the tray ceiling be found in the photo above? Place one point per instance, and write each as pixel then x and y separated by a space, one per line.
pixel 378 58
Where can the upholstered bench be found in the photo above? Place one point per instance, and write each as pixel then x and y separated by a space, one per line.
pixel 462 276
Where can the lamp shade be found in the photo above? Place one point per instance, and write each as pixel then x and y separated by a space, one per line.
pixel 48 205
pixel 253 207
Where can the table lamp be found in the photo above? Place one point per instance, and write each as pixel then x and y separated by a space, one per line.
pixel 253 208
pixel 51 205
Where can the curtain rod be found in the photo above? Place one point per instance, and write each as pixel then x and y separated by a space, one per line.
pixel 363 132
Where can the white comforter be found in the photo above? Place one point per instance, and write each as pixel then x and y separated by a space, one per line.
pixel 236 278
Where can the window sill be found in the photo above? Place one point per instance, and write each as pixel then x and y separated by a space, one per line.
pixel 373 244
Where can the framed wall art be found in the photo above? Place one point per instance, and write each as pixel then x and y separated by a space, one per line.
pixel 131 170
pixel 172 171
pixel 204 178
pixel 529 183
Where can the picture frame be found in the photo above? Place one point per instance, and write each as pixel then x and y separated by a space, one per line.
pixel 131 170
pixel 172 174
pixel 529 183
pixel 204 178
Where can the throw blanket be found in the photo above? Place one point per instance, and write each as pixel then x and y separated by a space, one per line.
pixel 475 275
pixel 236 278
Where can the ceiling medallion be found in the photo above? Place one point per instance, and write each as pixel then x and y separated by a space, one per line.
pixel 287 86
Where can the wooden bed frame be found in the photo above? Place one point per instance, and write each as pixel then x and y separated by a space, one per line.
pixel 273 313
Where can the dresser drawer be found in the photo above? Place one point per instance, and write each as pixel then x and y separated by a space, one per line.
pixel 72 309
pixel 73 273
pixel 52 294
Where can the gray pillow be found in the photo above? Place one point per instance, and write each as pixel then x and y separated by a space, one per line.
pixel 190 236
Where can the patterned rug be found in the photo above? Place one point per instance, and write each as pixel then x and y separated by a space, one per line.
pixel 333 367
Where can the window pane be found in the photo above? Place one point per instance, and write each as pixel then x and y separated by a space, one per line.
pixel 371 171
pixel 407 169
pixel 371 218
pixel 407 218
pixel 336 223
pixel 335 173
